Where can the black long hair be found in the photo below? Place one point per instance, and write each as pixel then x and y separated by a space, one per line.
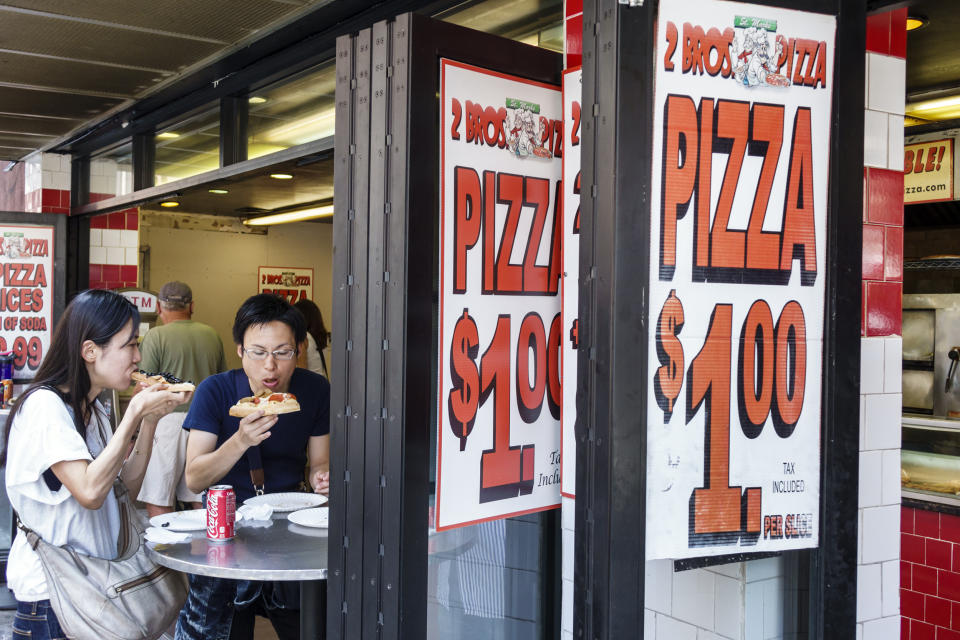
pixel 315 326
pixel 96 315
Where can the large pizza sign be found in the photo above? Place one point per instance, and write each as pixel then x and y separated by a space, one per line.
pixel 26 295
pixel 292 283
pixel 572 91
pixel 737 273
pixel 498 451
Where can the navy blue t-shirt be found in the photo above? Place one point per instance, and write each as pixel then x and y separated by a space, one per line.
pixel 284 453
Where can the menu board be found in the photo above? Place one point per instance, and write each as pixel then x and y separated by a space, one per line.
pixel 572 91
pixel 292 283
pixel 26 295
pixel 928 171
pixel 499 331
pixel 741 139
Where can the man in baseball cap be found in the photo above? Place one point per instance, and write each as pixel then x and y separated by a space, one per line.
pixel 176 294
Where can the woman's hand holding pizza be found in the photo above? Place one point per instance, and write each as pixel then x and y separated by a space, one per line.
pixel 255 428
pixel 157 401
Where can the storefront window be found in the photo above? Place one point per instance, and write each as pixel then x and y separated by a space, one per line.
pixel 111 172
pixel 188 147
pixel 293 112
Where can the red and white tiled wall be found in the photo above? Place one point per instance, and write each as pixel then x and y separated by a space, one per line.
pixel 878 561
pixel 114 249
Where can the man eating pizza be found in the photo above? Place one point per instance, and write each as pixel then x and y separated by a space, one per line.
pixel 222 449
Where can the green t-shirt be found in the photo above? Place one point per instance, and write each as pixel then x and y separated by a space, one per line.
pixel 187 349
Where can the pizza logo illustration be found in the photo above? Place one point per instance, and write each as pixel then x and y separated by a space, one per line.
pixel 757 53
pixel 526 132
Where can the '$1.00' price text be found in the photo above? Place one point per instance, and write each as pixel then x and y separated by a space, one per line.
pixel 505 471
pixel 771 375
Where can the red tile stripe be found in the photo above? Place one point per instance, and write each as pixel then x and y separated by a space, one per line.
pixel 929 575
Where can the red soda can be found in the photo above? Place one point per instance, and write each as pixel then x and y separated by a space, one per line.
pixel 221 512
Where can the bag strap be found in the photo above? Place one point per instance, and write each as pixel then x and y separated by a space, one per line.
pixel 255 461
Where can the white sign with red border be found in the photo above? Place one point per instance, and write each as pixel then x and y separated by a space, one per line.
pixel 292 283
pixel 498 441
pixel 26 295
pixel 737 271
pixel 572 90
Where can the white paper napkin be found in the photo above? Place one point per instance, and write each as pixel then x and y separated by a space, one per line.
pixel 164 536
pixel 256 512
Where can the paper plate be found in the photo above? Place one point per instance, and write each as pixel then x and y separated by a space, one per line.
pixel 311 517
pixel 192 520
pixel 284 502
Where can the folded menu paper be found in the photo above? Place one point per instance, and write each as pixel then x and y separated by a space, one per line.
pixel 256 512
pixel 164 536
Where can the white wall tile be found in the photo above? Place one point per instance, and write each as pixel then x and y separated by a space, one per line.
pixel 764 569
pixel 871 475
pixel 871 365
pixel 567 563
pixel 693 597
pixel 670 629
pixel 859 632
pixel 882 629
pixel 895 143
pixel 61 180
pixel 50 161
pixel 732 570
pixel 566 635
pixel 110 237
pixel 866 80
pixel 728 614
pixel 131 238
pixel 887 85
pixel 567 510
pixel 772 608
pixel 882 428
pixel 98 255
pixel 859 536
pixel 868 592
pixel 649 625
pixel 891 477
pixel 96 238
pixel 566 622
pixel 875 139
pixel 658 588
pixel 703 634
pixel 881 534
pixel 116 255
pixel 863 422
pixel 46 179
pixel 753 611
pixel 892 361
pixel 131 256
pixel 890 578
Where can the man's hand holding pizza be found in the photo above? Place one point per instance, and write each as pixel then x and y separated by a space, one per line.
pixel 255 428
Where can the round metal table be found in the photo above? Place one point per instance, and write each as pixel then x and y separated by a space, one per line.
pixel 280 550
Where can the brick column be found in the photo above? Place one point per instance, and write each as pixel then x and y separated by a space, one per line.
pixel 878 575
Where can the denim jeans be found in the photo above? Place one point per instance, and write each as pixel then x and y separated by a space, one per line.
pixel 36 620
pixel 211 604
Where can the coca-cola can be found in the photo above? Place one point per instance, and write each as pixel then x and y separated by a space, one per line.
pixel 221 512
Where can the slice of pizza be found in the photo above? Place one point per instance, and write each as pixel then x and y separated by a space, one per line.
pixel 267 401
pixel 173 383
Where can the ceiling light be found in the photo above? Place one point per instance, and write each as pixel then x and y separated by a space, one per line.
pixel 219 192
pixel 168 135
pixel 257 100
pixel 281 176
pixel 292 216
pixel 916 22
pixel 169 204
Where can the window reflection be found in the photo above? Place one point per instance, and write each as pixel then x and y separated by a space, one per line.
pixel 189 146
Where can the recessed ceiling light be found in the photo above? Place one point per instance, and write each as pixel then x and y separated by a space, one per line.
pixel 916 22
pixel 281 176
pixel 169 204
pixel 217 191
pixel 257 100
pixel 168 135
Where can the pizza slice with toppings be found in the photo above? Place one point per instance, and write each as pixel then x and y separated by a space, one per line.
pixel 267 401
pixel 173 383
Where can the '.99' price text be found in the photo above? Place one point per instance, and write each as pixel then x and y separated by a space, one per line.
pixel 505 471
pixel 771 375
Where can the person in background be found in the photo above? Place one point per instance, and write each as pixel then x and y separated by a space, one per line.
pixel 191 351
pixel 311 354
pixel 61 459
pixel 267 330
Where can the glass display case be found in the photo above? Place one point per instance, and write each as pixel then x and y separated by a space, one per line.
pixel 930 460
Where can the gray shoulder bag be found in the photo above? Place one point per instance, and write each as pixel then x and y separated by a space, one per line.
pixel 129 598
